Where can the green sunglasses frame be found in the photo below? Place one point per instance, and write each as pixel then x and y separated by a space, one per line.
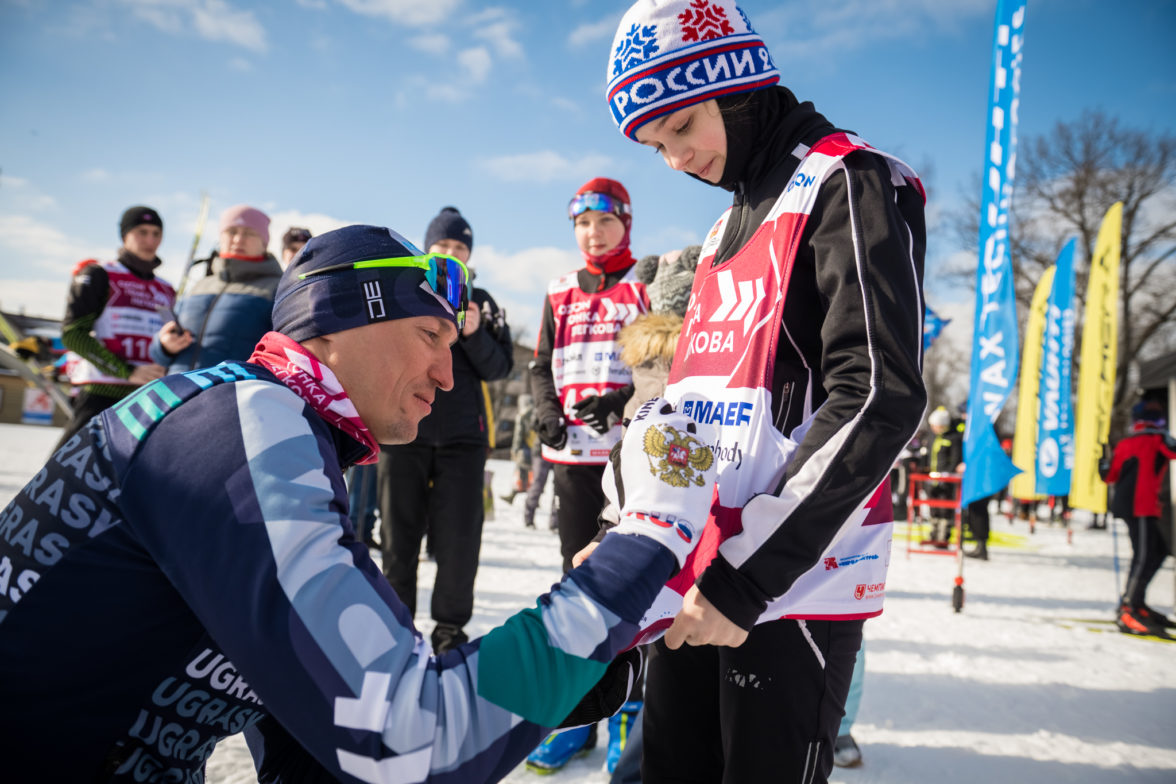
pixel 427 262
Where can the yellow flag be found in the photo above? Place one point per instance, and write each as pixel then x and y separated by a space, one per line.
pixel 1025 436
pixel 1096 369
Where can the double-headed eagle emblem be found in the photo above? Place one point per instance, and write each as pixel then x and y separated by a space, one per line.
pixel 676 457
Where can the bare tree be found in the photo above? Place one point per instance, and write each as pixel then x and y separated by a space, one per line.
pixel 1066 181
pixel 945 375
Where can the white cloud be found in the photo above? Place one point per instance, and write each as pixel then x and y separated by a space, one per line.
pixel 416 87
pixel 38 258
pixel 664 239
pixel 544 166
pixel 568 105
pixel 317 222
pixel 214 20
pixel 802 31
pixel 82 21
pixel 433 43
pixel 594 32
pixel 477 63
pixel 518 281
pixel 314 5
pixel 44 297
pixel 410 12
pixel 96 175
pixel 240 64
pixel 28 197
pixel 497 27
pixel 955 342
pixel 35 244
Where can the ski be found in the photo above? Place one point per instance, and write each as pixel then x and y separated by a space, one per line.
pixel 1101 625
pixel 27 369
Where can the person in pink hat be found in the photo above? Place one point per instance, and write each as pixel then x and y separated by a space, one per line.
pixel 227 310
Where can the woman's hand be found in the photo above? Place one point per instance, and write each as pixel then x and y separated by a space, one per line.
pixel 699 623
pixel 173 339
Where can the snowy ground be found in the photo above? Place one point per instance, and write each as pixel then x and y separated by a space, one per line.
pixel 1012 689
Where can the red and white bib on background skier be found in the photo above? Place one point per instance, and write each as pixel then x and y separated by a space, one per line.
pixel 722 374
pixel 586 359
pixel 127 323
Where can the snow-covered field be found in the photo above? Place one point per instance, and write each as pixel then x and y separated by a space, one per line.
pixel 1025 685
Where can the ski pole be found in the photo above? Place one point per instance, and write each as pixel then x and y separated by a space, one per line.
pixel 957 591
pixel 1111 523
pixel 195 243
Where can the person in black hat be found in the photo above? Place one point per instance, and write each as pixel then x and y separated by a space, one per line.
pixel 184 568
pixel 111 314
pixel 436 482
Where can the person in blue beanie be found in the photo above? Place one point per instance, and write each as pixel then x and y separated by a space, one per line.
pixel 184 568
pixel 435 483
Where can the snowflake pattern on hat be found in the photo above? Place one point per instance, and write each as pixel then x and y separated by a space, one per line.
pixel 669 54
pixel 703 21
pixel 639 45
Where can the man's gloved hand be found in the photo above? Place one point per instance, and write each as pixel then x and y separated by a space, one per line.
pixel 553 431
pixel 666 477
pixel 610 692
pixel 601 412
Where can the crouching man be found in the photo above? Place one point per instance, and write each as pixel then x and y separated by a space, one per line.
pixel 184 567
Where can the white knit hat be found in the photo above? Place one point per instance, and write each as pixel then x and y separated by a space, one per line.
pixel 669 54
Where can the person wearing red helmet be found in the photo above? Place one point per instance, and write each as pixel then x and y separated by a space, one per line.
pixel 580 384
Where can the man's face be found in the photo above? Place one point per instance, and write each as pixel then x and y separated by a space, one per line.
pixel 143 241
pixel 455 248
pixel 392 371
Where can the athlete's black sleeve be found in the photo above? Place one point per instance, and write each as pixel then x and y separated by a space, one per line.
pixel 489 348
pixel 88 292
pixel 547 403
pixel 865 243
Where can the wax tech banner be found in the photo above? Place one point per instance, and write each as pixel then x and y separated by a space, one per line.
pixel 1055 422
pixel 994 346
pixel 1096 375
pixel 1025 442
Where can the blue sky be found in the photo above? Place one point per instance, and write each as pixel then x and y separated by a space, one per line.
pixel 329 112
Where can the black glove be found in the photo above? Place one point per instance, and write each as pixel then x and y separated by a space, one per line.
pixel 1104 468
pixel 553 431
pixel 610 692
pixel 601 412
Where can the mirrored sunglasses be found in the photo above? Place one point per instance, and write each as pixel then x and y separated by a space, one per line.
pixel 601 202
pixel 446 275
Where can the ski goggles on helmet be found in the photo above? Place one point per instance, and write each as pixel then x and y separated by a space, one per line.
pixel 601 202
pixel 447 276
